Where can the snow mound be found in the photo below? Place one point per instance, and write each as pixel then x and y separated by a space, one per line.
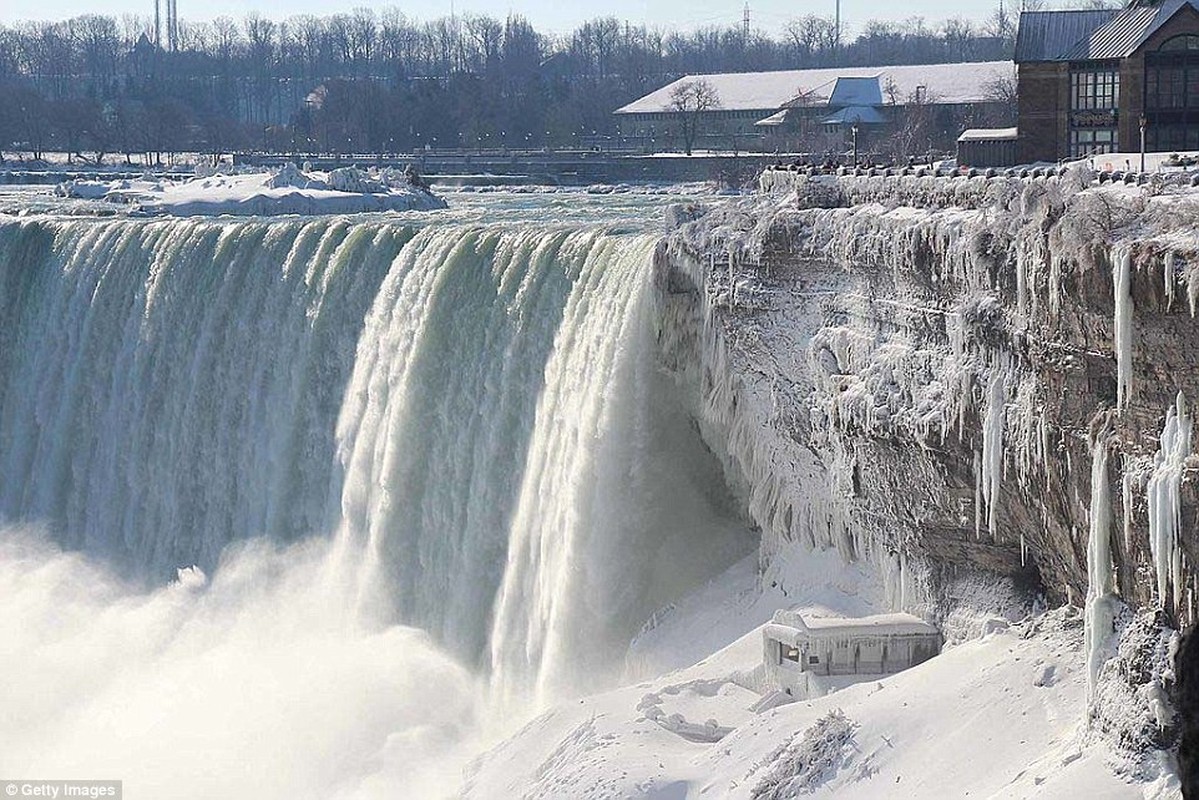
pixel 997 716
pixel 289 190
pixel 677 708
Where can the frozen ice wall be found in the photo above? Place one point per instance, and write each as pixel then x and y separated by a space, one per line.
pixel 911 368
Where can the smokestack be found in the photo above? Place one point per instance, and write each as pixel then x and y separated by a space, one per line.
pixel 173 25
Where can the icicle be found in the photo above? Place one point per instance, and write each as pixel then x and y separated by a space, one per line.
pixel 732 279
pixel 1126 502
pixel 1168 277
pixel 1122 324
pixel 1021 286
pixel 1164 502
pixel 1192 278
pixel 1100 613
pixel 992 454
pixel 1023 551
pixel 978 495
pixel 1055 286
pixel 1045 448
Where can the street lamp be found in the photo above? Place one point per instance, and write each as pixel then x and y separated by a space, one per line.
pixel 854 131
pixel 1143 122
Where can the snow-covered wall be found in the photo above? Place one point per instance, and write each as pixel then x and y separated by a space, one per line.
pixel 921 370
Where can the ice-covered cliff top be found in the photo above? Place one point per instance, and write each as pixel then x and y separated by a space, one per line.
pixel 288 191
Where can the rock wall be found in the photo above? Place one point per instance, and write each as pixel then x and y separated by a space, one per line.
pixel 922 371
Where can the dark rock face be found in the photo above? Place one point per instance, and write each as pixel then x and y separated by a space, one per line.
pixel 927 382
pixel 1186 670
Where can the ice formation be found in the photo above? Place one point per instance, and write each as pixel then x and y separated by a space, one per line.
pixel 1168 277
pixel 991 466
pixel 1164 500
pixel 1101 585
pixel 1122 323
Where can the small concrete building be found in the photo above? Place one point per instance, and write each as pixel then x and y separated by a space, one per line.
pixel 798 649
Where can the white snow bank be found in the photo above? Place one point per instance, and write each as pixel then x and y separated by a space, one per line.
pixel 996 717
pixel 289 190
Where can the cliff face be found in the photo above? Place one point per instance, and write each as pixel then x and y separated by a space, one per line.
pixel 937 373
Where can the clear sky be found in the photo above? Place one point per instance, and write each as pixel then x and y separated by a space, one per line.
pixel 546 15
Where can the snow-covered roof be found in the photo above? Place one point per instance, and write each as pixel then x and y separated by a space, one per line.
pixel 856 92
pixel 770 91
pixel 987 134
pixel 775 119
pixel 790 626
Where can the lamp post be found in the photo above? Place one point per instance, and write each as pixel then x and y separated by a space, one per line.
pixel 854 131
pixel 1143 121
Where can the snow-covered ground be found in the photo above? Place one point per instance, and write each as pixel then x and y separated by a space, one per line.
pixel 1154 162
pixel 287 191
pixel 999 715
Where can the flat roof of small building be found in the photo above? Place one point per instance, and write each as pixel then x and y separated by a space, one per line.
pixel 898 624
pixel 987 134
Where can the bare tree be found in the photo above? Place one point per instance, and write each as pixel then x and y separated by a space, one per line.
pixel 1002 94
pixel 395 82
pixel 1002 25
pixel 689 100
pixel 812 37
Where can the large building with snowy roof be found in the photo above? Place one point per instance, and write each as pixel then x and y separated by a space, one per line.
pixel 1094 81
pixel 814 110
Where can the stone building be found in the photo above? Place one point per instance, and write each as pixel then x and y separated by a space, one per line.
pixel 1089 81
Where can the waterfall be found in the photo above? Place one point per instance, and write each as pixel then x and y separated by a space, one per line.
pixel 166 387
pixel 473 415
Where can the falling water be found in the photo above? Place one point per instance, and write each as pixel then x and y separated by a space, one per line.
pixel 470 417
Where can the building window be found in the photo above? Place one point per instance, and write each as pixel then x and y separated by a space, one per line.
pixel 1092 89
pixel 1092 141
pixel 1184 42
pixel 1165 87
pixel 1172 95
pixel 1171 137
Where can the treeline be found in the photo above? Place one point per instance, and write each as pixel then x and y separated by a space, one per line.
pixel 381 82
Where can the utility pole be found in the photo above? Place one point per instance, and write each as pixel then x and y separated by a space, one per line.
pixel 157 24
pixel 745 23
